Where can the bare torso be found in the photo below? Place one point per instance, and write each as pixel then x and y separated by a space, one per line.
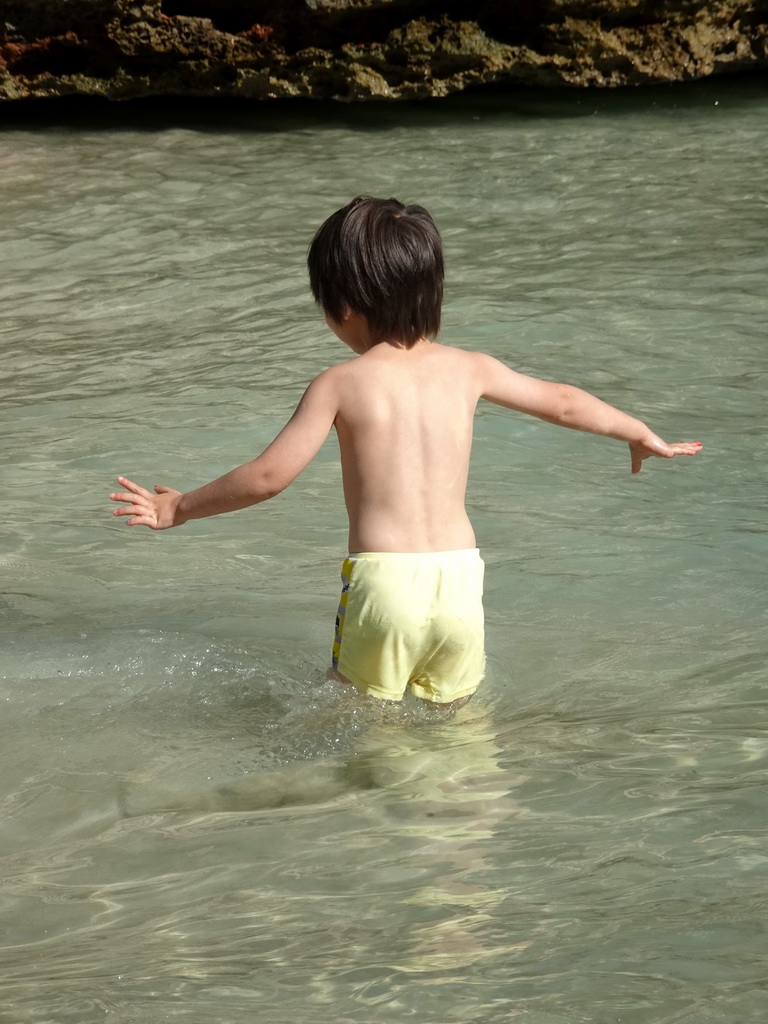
pixel 404 425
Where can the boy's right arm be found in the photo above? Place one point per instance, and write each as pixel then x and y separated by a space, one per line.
pixel 568 406
pixel 262 478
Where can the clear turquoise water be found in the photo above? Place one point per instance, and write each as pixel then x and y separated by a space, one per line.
pixel 587 840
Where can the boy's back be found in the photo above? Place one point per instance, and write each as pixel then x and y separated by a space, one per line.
pixel 404 423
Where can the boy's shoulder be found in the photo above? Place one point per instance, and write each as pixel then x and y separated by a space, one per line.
pixel 463 365
pixel 437 351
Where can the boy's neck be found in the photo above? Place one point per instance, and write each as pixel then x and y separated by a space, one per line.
pixel 401 346
pixel 356 334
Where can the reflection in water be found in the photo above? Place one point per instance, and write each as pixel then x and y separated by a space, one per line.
pixel 443 790
pixel 449 764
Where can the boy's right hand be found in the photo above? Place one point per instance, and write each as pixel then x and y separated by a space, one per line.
pixel 158 511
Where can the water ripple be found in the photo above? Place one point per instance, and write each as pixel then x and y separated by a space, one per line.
pixel 195 824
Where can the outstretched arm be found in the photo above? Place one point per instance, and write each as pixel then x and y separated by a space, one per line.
pixel 571 407
pixel 264 477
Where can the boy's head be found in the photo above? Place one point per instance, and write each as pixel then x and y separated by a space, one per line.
pixel 383 261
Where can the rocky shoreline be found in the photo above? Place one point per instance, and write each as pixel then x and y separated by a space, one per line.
pixel 366 49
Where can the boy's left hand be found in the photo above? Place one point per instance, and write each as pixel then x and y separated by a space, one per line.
pixel 653 445
pixel 158 511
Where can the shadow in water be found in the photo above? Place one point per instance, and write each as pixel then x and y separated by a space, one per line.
pixel 217 116
pixel 431 758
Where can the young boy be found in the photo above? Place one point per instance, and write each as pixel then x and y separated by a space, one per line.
pixel 411 606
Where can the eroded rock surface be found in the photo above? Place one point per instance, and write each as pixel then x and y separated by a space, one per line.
pixel 366 49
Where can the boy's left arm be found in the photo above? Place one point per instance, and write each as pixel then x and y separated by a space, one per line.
pixel 568 406
pixel 262 478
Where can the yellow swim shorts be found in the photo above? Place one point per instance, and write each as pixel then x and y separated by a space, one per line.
pixel 412 619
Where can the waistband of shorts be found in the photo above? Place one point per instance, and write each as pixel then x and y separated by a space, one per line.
pixel 417 557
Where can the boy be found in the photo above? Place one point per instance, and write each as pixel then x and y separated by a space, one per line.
pixel 411 606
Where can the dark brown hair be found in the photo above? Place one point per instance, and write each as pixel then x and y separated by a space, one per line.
pixel 381 260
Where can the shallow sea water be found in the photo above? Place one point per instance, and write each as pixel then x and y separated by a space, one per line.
pixel 194 824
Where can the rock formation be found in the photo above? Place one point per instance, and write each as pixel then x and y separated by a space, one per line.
pixel 366 49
